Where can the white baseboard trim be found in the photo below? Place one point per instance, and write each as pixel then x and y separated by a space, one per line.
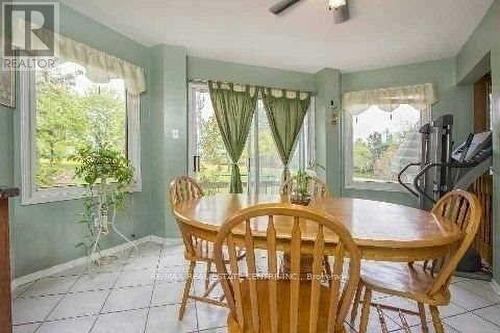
pixel 495 286
pixel 84 260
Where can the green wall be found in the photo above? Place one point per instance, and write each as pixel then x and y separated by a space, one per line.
pixel 45 235
pixel 480 54
pixel 205 69
pixel 452 99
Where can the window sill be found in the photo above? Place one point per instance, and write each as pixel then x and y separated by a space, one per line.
pixel 376 186
pixel 63 194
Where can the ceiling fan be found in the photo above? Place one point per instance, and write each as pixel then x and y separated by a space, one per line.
pixel 339 8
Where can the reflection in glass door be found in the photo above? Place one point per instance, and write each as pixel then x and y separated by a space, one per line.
pixel 260 165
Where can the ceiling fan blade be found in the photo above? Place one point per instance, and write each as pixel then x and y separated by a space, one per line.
pixel 282 6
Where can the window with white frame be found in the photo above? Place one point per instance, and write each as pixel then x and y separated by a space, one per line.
pixel 381 134
pixel 64 108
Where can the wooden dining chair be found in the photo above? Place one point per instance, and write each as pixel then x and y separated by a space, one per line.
pixel 316 187
pixel 417 282
pixel 198 250
pixel 263 299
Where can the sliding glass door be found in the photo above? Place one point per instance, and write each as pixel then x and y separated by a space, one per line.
pixel 260 165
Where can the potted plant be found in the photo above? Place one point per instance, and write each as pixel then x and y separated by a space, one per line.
pixel 106 174
pixel 300 190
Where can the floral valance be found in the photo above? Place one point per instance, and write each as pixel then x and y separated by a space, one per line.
pixel 101 67
pixel 389 99
pixel 289 94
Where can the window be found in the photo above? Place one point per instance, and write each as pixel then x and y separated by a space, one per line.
pixel 260 166
pixel 64 108
pixel 381 135
pixel 383 143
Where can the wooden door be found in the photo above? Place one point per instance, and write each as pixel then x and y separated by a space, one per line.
pixel 5 297
pixel 483 187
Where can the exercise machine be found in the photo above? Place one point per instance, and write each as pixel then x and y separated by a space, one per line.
pixel 442 169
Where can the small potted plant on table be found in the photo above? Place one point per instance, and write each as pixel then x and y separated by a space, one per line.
pixel 300 189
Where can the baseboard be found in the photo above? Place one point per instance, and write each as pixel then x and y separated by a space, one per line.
pixel 495 286
pixel 84 260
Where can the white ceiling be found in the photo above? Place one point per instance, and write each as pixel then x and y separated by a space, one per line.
pixel 380 33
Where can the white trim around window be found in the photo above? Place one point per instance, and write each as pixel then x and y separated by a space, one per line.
pixel 29 193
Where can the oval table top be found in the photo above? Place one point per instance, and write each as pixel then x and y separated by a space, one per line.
pixel 381 230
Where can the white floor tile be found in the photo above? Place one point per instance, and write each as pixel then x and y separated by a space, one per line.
pixel 51 286
pixel 466 298
pixel 136 278
pixel 483 289
pixel 20 290
pixel 373 321
pixel 95 281
pixel 27 310
pixel 491 313
pixel 470 323
pixel 121 322
pixel 210 316
pixel 128 299
pixel 167 293
pixel 445 311
pixel 79 304
pixel 163 319
pixel 215 330
pixel 29 328
pixel 80 325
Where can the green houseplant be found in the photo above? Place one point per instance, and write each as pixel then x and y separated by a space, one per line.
pixel 300 190
pixel 106 173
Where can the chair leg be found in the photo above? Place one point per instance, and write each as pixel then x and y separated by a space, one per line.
pixel 355 305
pixel 365 311
pixel 423 319
pixel 436 319
pixel 207 276
pixel 187 288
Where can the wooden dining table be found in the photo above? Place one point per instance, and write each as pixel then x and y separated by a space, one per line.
pixel 382 231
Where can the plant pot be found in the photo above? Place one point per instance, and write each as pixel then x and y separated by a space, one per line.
pixel 300 199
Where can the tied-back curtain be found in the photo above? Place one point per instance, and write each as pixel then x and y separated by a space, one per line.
pixel 234 106
pixel 285 111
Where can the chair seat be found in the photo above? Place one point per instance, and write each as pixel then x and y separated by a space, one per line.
pixel 283 308
pixel 402 279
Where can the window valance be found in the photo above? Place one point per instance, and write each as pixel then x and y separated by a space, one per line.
pixel 275 92
pixel 289 94
pixel 101 67
pixel 389 99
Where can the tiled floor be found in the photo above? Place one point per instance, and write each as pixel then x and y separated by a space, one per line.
pixel 141 294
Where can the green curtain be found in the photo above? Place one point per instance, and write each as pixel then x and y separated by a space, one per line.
pixel 285 116
pixel 234 109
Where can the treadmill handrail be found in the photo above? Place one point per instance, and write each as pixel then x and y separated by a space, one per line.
pixel 420 174
pixel 400 175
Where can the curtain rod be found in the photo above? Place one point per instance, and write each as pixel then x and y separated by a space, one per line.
pixel 204 81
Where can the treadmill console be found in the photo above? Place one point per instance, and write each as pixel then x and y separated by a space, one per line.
pixel 477 148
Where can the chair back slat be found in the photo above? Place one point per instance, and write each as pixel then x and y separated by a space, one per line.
pixel 338 266
pixel 316 187
pixel 318 261
pixel 235 303
pixel 275 301
pixel 295 274
pixel 252 271
pixel 182 189
pixel 272 266
pixel 464 210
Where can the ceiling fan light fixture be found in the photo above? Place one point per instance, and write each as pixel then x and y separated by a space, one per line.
pixel 336 4
pixel 340 10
